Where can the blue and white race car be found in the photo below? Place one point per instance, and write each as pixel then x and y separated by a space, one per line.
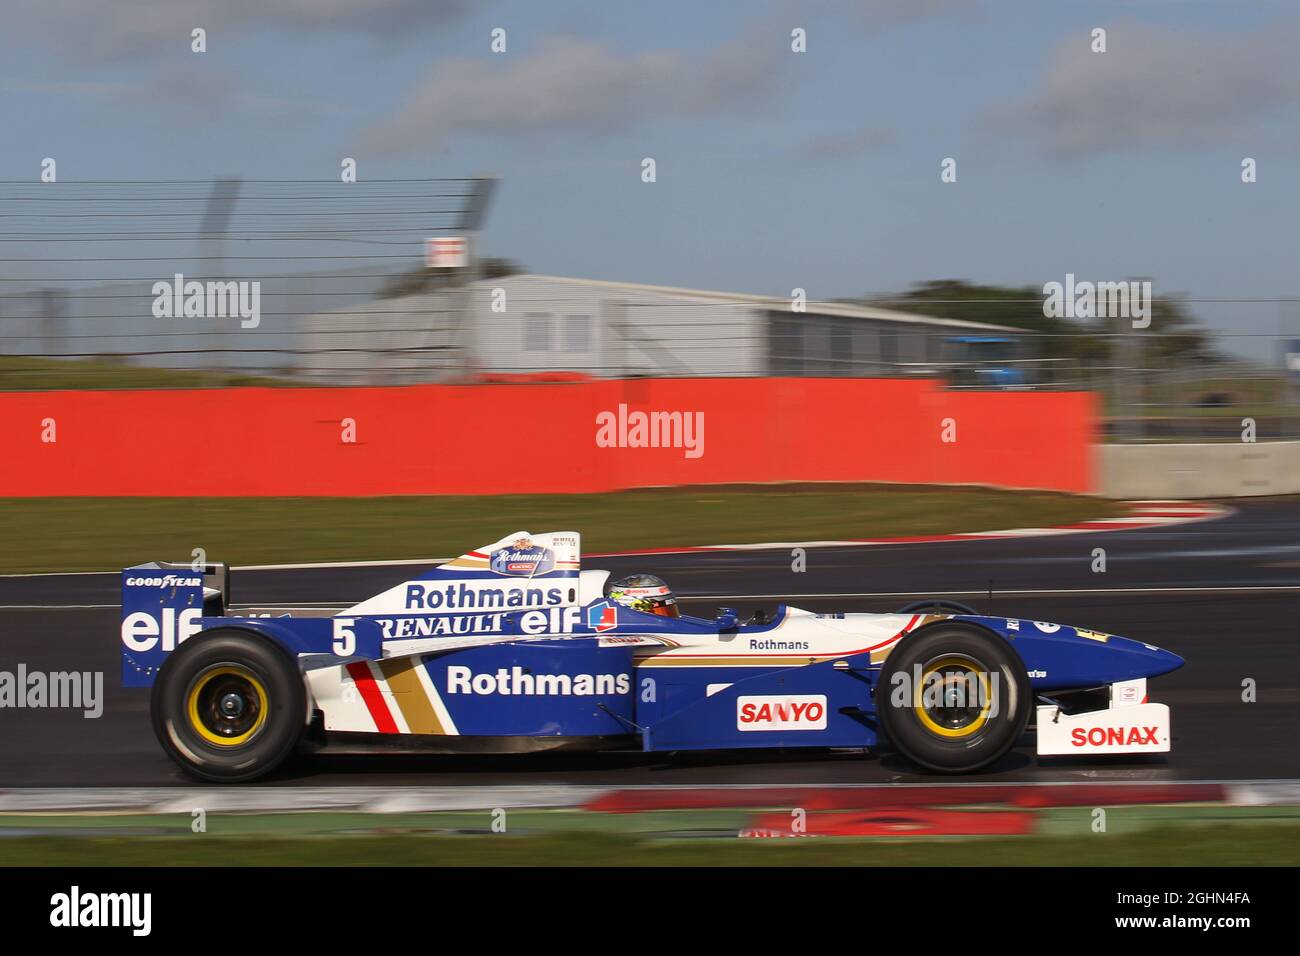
pixel 513 648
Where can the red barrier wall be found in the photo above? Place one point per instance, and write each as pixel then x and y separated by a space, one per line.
pixel 496 439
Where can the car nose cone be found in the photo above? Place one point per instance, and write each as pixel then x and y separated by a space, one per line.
pixel 1153 661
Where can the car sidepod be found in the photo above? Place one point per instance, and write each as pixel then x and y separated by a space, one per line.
pixel 822 704
pixel 567 688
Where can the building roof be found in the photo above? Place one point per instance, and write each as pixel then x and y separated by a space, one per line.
pixel 842 309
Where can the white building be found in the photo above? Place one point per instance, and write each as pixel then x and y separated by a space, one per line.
pixel 528 324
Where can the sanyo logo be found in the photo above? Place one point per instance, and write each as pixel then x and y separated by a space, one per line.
pixel 166 581
pixel 779 712
pixel 142 631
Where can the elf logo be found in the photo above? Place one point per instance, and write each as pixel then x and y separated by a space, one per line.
pixel 781 712
pixel 1114 737
pixel 142 632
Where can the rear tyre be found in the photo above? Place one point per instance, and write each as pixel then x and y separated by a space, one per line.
pixel 953 698
pixel 229 706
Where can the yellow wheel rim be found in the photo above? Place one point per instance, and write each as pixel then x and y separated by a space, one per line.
pixel 227 705
pixel 954 673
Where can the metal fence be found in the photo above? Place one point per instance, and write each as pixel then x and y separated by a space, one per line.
pixel 79 264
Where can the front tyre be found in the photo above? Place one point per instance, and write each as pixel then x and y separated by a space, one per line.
pixel 229 706
pixel 953 698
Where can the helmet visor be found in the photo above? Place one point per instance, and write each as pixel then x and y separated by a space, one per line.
pixel 666 608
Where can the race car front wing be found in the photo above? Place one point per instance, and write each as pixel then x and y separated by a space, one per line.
pixel 1127 723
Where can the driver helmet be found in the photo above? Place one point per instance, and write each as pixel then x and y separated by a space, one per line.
pixel 644 592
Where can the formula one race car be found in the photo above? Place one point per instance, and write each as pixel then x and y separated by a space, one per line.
pixel 513 648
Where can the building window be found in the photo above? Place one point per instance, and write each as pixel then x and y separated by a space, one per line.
pixel 577 333
pixel 785 344
pixel 889 348
pixel 841 348
pixel 537 332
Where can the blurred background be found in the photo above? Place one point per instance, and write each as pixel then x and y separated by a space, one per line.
pixel 918 171
pixel 385 282
pixel 826 229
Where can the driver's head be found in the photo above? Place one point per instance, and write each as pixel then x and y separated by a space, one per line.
pixel 644 592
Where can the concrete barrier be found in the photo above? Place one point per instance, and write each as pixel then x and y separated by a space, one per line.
pixel 1222 470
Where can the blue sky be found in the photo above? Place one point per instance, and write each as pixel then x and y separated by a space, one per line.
pixel 775 169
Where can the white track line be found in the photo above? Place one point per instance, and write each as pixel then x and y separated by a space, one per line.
pixel 997 592
pixel 57 607
pixel 408 799
pixel 1194 513
pixel 340 564
pixel 252 567
pixel 826 596
pixel 57 574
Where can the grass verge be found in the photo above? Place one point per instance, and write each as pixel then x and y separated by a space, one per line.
pixel 1262 845
pixel 22 373
pixel 91 534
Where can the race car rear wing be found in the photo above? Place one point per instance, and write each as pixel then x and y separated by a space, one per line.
pixel 161 604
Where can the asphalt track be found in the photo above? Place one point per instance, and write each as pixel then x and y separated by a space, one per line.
pixel 1224 594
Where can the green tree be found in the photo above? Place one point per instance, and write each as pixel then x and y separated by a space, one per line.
pixel 1174 338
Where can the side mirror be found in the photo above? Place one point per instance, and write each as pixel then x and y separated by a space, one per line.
pixel 727 619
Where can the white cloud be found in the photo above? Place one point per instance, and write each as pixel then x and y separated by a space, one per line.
pixel 1157 87
pixel 171 87
pixel 95 29
pixel 572 84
